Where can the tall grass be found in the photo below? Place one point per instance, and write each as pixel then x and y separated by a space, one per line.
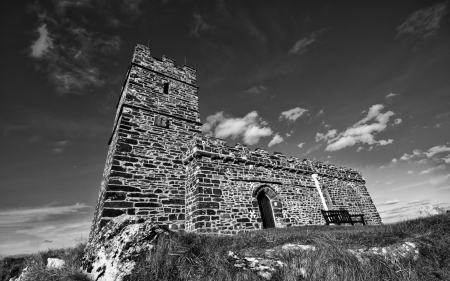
pixel 37 270
pixel 202 257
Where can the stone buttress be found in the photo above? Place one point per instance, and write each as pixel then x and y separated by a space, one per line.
pixel 157 115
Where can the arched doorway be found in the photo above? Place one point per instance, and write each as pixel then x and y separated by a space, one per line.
pixel 265 208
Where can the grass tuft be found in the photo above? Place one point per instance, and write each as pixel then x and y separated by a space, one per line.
pixel 205 257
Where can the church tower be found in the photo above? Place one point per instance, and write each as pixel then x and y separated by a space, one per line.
pixel 157 114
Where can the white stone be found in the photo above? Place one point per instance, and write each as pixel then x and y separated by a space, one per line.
pixel 55 263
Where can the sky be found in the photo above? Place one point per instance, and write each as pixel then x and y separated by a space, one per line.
pixel 359 84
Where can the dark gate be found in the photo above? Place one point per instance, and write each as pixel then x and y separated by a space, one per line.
pixel 266 210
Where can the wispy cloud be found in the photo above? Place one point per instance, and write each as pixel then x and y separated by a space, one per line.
pixel 301 45
pixel 397 121
pixel 432 169
pixel 423 24
pixel 390 202
pixel 293 114
pixel 391 95
pixel 314 148
pixel 199 25
pixel 26 230
pixel 276 140
pixel 255 90
pixel 430 153
pixel 385 142
pixel 42 44
pixel 250 127
pixel 68 52
pixel 360 132
pixel 300 145
pixel 60 146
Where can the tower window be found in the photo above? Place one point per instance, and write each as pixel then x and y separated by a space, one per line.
pixel 162 121
pixel 166 88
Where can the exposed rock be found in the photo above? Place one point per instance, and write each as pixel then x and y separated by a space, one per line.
pixel 404 250
pixel 267 265
pixel 111 255
pixel 22 276
pixel 431 210
pixel 263 267
pixel 55 263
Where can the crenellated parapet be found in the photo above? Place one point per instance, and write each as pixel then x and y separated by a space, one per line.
pixel 214 148
pixel 165 66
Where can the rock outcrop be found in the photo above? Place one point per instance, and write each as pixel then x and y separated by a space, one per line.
pixel 112 253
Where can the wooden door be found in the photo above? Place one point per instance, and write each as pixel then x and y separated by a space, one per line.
pixel 266 211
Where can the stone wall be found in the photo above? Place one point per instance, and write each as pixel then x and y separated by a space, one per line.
pixel 160 167
pixel 144 174
pixel 224 181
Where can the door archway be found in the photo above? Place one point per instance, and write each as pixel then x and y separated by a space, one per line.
pixel 265 208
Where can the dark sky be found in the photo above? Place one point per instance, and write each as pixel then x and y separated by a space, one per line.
pixel 360 84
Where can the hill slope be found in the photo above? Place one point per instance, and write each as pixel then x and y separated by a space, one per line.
pixel 340 253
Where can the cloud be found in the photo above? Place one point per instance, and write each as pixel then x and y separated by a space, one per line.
pixel 390 202
pixel 276 139
pixel 397 121
pixel 416 153
pixel 250 127
pixel 300 145
pixel 360 132
pixel 60 146
pixel 301 46
pixel 432 169
pixel 29 229
pixel 423 24
pixel 328 135
pixel 447 159
pixel 437 149
pixel 42 44
pixel 255 90
pixel 359 149
pixel 200 25
pixel 391 95
pixel 293 114
pixel 394 160
pixel 430 153
pixel 313 149
pixel 418 202
pixel 410 172
pixel 69 53
pixel 385 142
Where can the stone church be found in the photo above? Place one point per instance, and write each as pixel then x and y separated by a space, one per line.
pixel 160 166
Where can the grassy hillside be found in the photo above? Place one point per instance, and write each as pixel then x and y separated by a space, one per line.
pixel 199 257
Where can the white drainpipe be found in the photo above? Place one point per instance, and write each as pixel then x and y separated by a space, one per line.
pixel 314 176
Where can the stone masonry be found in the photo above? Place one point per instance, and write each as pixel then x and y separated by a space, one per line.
pixel 159 166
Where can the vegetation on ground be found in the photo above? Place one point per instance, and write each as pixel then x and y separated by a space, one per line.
pixel 205 257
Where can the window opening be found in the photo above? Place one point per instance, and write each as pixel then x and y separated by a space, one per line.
pixel 166 88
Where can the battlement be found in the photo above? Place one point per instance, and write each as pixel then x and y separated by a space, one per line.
pixel 218 149
pixel 165 66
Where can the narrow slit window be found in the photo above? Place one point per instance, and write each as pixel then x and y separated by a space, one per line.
pixel 166 88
